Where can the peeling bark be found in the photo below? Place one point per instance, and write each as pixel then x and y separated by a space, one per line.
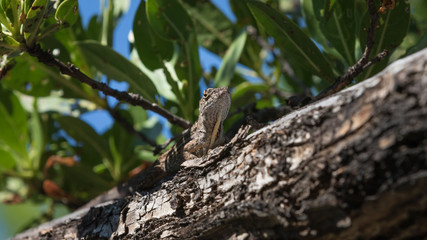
pixel 352 166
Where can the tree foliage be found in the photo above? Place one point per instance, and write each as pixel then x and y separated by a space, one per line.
pixel 274 49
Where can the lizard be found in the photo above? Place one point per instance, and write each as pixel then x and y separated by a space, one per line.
pixel 206 133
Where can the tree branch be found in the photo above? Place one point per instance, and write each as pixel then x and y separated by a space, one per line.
pixel 131 98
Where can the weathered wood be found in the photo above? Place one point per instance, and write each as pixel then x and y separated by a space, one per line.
pixel 352 166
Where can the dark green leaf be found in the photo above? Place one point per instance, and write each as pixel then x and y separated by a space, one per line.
pixel 82 132
pixel 291 39
pixel 152 49
pixel 213 29
pixel 242 12
pixel 339 28
pixel 421 44
pixel 169 19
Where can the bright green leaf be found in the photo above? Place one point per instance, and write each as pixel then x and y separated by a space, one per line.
pixel 13 125
pixel 3 17
pixel 163 85
pixel 228 65
pixel 117 67
pixel 291 39
pixel 8 44
pixel 67 12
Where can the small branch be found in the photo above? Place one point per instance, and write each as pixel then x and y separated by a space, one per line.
pixel 348 77
pixel 363 63
pixel 128 127
pixel 131 98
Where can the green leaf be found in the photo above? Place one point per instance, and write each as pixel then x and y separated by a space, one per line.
pixel 7 160
pixel 36 133
pixel 339 28
pixel 166 87
pixel 228 65
pixel 391 30
pixel 34 19
pixel 152 49
pixel 8 45
pixel 18 78
pixel 169 19
pixel 68 12
pixel 313 20
pixel 291 39
pixel 117 67
pixel 4 20
pixel 420 13
pixel 421 44
pixel 213 29
pixel 13 125
pixel 82 132
pixel 9 41
pixel 245 93
pixel 242 12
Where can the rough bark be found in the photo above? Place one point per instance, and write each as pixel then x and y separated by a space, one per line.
pixel 352 166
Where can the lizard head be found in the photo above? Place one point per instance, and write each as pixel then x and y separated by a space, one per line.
pixel 215 103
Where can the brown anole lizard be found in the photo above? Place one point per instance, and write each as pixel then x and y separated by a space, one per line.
pixel 204 134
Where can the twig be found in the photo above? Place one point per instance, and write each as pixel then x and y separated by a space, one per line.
pixel 363 63
pixel 131 98
pixel 128 127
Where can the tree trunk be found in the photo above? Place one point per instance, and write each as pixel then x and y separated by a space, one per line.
pixel 351 166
